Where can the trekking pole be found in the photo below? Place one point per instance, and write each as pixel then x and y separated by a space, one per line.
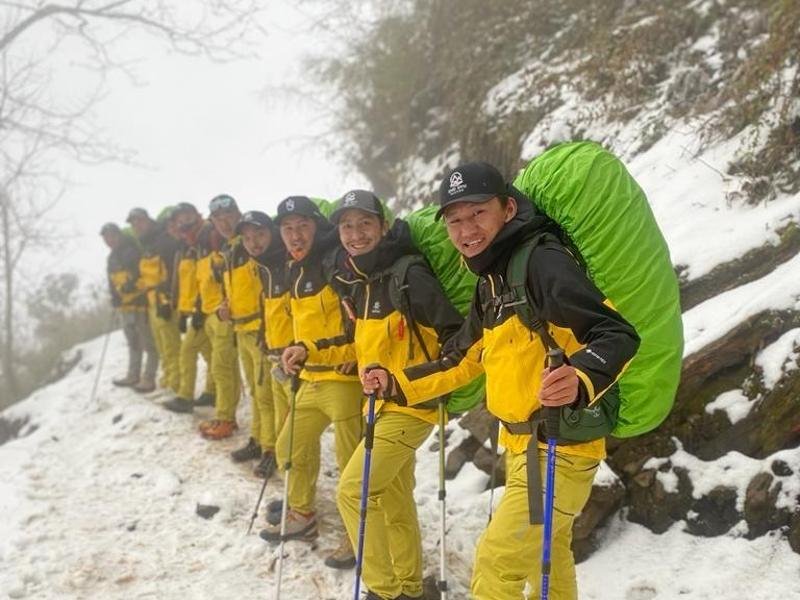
pixel 102 357
pixel 287 467
pixel 493 475
pixel 552 415
pixel 369 439
pixel 442 584
pixel 258 504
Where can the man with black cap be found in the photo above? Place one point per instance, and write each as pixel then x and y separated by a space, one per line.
pixel 402 317
pixel 224 215
pixel 123 272
pixel 487 220
pixel 244 290
pixel 186 223
pixel 329 392
pixel 155 277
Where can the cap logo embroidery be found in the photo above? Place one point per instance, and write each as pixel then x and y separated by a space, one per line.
pixel 456 183
pixel 350 199
pixel 290 205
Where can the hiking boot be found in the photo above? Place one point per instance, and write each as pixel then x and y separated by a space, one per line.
pixel 205 399
pixel 298 527
pixel 145 387
pixel 179 405
pixel 266 466
pixel 129 381
pixel 249 451
pixel 274 510
pixel 373 596
pixel 342 557
pixel 220 430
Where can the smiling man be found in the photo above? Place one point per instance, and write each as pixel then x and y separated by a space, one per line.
pixel 329 391
pixel 488 221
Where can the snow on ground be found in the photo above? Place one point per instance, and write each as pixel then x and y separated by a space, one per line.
pixel 99 502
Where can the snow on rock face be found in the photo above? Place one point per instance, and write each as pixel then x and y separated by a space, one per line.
pixel 779 358
pixel 734 403
pixel 99 503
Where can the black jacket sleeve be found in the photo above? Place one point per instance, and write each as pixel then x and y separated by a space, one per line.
pixel 429 304
pixel 564 296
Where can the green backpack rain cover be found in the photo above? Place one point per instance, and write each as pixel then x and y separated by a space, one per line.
pixel 606 216
pixel 430 237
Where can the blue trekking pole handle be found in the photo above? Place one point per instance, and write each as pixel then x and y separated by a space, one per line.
pixel 369 440
pixel 555 359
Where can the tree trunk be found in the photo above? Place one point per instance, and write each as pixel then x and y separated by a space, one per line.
pixel 8 317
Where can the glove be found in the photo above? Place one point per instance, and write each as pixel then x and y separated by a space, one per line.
pixel 182 322
pixel 198 319
pixel 164 311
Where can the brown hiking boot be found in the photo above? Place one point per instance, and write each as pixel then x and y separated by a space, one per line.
pixel 299 526
pixel 343 556
pixel 220 430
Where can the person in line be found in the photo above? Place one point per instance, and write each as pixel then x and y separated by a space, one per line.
pixel 329 392
pixel 396 329
pixel 155 276
pixel 244 291
pixel 487 220
pixel 123 272
pixel 224 214
pixel 186 222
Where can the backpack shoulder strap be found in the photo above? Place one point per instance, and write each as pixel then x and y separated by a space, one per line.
pixel 398 284
pixel 517 278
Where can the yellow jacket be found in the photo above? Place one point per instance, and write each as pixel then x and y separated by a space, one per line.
pixel 242 288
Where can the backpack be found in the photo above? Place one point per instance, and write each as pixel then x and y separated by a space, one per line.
pixel 606 222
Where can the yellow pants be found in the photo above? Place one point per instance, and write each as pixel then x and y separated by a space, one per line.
pixel 194 342
pixel 509 552
pixel 224 367
pixel 318 404
pixel 167 340
pixel 392 545
pixel 281 396
pixel 259 381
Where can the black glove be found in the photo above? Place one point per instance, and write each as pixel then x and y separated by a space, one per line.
pixel 182 322
pixel 198 319
pixel 164 311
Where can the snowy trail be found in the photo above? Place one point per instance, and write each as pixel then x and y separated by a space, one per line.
pixel 99 502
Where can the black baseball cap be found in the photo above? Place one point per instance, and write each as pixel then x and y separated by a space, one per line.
pixel 110 228
pixel 137 213
pixel 298 205
pixel 182 207
pixel 471 182
pixel 359 199
pixel 253 217
pixel 222 202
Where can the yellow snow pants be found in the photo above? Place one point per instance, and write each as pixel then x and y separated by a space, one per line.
pixel 509 552
pixel 224 367
pixel 195 342
pixel 318 404
pixel 392 562
pixel 167 340
pixel 259 381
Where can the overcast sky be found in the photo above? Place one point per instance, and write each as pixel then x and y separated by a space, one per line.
pixel 201 129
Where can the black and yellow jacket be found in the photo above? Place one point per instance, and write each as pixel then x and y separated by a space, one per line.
pixel 316 311
pixel 156 265
pixel 242 287
pixel 385 333
pixel 276 309
pixel 123 272
pixel 596 340
pixel 209 269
